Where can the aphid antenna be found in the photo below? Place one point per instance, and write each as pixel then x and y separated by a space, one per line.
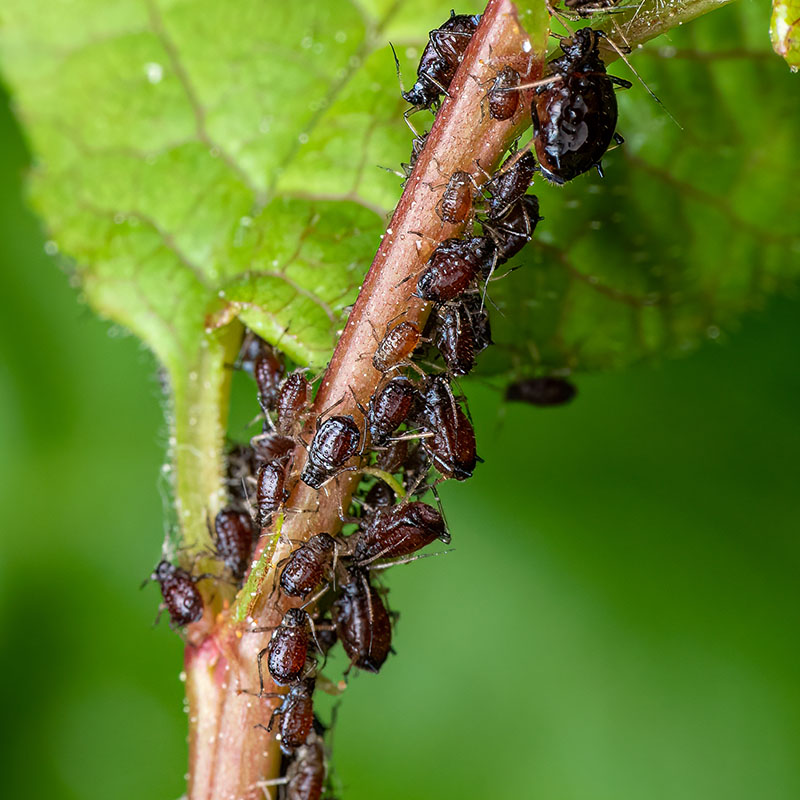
pixel 393 171
pixel 618 50
pixel 412 437
pixel 330 408
pixel 535 84
pixel 411 110
pixel 404 560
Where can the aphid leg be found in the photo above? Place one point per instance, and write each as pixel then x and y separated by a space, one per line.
pixel 599 168
pixel 260 664
pixel 318 595
pixel 618 139
pixel 445 537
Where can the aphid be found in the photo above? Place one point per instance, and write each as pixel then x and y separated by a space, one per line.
pixel 309 565
pixel 270 490
pixel 547 391
pixel 268 371
pixel 336 440
pixel 396 346
pixel 293 401
pixel 515 229
pixel 362 623
pixel 240 467
pixel 305 776
pixel 389 408
pixel 271 446
pixel 287 650
pixel 415 467
pixel 574 117
pixel 453 265
pixel 416 149
pixel 399 531
pixel 456 203
pixel 503 103
pixel 455 338
pixel 297 715
pixel 379 497
pixel 233 538
pixel 452 445
pixel 586 8
pixel 393 456
pixel 440 59
pixel 479 318
pixel 178 588
pixel 509 185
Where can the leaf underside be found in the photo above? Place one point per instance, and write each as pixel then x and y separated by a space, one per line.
pixel 199 162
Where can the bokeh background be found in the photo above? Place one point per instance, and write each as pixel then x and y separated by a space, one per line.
pixel 619 620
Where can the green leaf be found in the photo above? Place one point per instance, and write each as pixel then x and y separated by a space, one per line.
pixel 689 230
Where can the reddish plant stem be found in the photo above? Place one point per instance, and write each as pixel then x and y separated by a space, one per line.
pixel 227 755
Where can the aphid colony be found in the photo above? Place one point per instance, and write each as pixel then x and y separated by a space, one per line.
pixel 415 431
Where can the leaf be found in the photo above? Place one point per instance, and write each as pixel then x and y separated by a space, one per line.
pixel 200 163
pixel 689 230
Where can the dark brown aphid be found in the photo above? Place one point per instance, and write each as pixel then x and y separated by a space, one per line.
pixel 586 8
pixel 270 490
pixel 393 456
pixel 396 346
pixel 479 317
pixel 293 401
pixel 574 118
pixel 506 187
pixel 309 565
pixel 515 229
pixel 241 464
pixel 362 623
pixel 453 266
pixel 288 648
pixel 271 446
pixel 503 103
pixel 182 600
pixel 416 148
pixel 547 391
pixel 455 338
pixel 452 445
pixel 336 441
pixel 399 531
pixel 379 497
pixel 233 539
pixel 440 59
pixel 389 408
pixel 457 199
pixel 297 716
pixel 268 372
pixel 415 467
pixel 305 776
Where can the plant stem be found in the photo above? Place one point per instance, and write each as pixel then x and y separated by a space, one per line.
pixel 228 756
pixel 200 393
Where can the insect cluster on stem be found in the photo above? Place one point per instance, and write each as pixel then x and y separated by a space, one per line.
pixel 415 431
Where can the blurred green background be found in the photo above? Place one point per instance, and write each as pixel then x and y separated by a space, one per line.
pixel 618 621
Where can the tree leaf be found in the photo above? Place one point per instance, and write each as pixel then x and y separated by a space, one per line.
pixel 200 163
pixel 690 228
